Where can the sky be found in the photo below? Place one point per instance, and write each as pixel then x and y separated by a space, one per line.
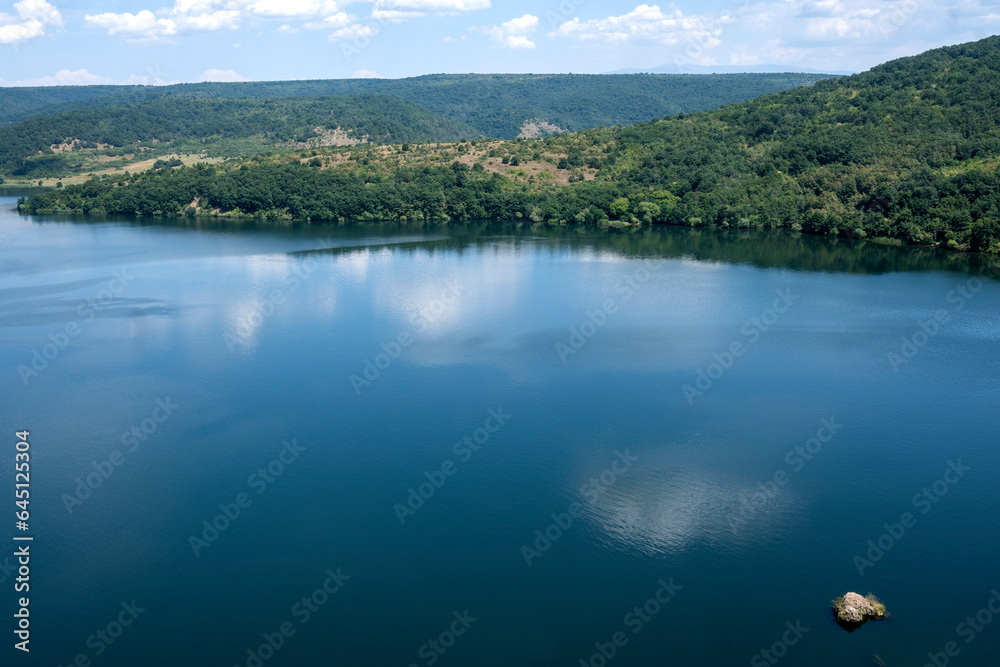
pixel 56 42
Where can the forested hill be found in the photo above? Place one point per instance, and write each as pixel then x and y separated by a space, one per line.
pixel 218 126
pixel 496 105
pixel 907 152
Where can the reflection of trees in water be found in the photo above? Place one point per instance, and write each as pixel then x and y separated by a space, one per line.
pixel 780 248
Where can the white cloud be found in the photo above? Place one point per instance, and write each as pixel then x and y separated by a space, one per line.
pixel 165 23
pixel 219 76
pixel 648 23
pixel 292 8
pixel 151 79
pixel 366 74
pixel 210 21
pixel 819 8
pixel 208 15
pixel 836 35
pixel 438 6
pixel 63 77
pixel 514 34
pixel 394 15
pixel 808 22
pixel 141 27
pixel 33 17
pixel 338 20
pixel 356 31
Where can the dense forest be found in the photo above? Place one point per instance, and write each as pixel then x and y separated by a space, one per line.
pixel 19 103
pixel 908 152
pixel 495 105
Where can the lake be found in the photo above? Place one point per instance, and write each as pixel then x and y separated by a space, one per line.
pixel 497 444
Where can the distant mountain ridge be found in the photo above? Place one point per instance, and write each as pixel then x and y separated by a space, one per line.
pixel 496 105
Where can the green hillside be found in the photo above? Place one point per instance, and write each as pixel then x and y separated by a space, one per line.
pixel 907 152
pixel 17 104
pixel 211 127
pixel 496 105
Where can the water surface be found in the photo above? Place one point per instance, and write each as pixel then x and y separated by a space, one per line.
pixel 224 341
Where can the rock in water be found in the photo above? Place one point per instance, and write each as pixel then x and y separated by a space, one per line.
pixel 853 608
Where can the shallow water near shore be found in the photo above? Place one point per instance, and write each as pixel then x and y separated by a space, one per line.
pixel 687 437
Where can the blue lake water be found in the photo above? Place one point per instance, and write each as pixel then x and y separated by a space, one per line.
pixel 496 444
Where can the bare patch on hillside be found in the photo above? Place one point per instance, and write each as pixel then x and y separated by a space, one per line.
pixel 536 128
pixel 338 137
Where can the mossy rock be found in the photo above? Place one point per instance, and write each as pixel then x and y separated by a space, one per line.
pixel 853 609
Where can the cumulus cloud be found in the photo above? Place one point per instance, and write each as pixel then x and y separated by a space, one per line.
pixel 851 34
pixel 63 77
pixel 338 20
pixel 207 15
pixel 807 22
pixel 355 31
pixel 394 15
pixel 220 76
pixel 437 6
pixel 292 8
pixel 386 12
pixel 366 74
pixel 33 17
pixel 648 23
pixel 514 34
pixel 147 26
pixel 149 79
pixel 165 23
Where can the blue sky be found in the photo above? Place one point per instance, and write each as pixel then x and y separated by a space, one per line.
pixel 44 42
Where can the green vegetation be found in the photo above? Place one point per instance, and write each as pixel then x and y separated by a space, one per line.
pixel 60 143
pixel 495 105
pixel 17 104
pixel 906 152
